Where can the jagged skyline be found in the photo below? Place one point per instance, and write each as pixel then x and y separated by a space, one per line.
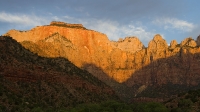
pixel 172 19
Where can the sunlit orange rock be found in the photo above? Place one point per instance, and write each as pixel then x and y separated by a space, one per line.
pixel 173 44
pixel 130 44
pixel 188 42
pixel 125 61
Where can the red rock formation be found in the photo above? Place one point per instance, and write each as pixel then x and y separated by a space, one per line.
pixel 173 44
pixel 124 61
pixel 129 44
pixel 89 47
pixel 188 42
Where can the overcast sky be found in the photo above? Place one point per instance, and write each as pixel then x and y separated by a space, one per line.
pixel 173 19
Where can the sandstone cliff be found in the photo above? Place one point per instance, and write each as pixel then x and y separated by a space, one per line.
pixel 126 61
pixel 86 47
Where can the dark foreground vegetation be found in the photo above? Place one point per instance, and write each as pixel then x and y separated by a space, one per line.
pixel 184 102
pixel 42 96
pixel 113 106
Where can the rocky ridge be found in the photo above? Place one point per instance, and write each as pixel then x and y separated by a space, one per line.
pixel 63 24
pixel 126 61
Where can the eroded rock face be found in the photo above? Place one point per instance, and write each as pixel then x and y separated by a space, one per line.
pixel 129 44
pixel 124 61
pixel 157 48
pixel 173 44
pixel 157 44
pixel 188 42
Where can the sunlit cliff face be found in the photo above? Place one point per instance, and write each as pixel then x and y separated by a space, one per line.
pixel 124 61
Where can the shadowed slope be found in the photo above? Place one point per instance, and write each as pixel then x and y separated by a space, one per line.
pixel 163 78
pixel 29 81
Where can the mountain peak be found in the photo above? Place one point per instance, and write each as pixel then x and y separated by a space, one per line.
pixel 158 43
pixel 173 44
pixel 157 37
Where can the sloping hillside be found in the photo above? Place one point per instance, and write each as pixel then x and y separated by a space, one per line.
pixel 30 82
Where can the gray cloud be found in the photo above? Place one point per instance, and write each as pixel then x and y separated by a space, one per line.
pixel 174 23
pixel 22 19
pixel 127 9
pixel 117 10
pixel 113 29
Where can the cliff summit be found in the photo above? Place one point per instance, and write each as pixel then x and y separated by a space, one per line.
pixel 63 24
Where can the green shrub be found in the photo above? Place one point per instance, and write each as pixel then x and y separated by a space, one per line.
pixel 149 107
pixel 113 106
pixel 2 108
pixel 37 109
